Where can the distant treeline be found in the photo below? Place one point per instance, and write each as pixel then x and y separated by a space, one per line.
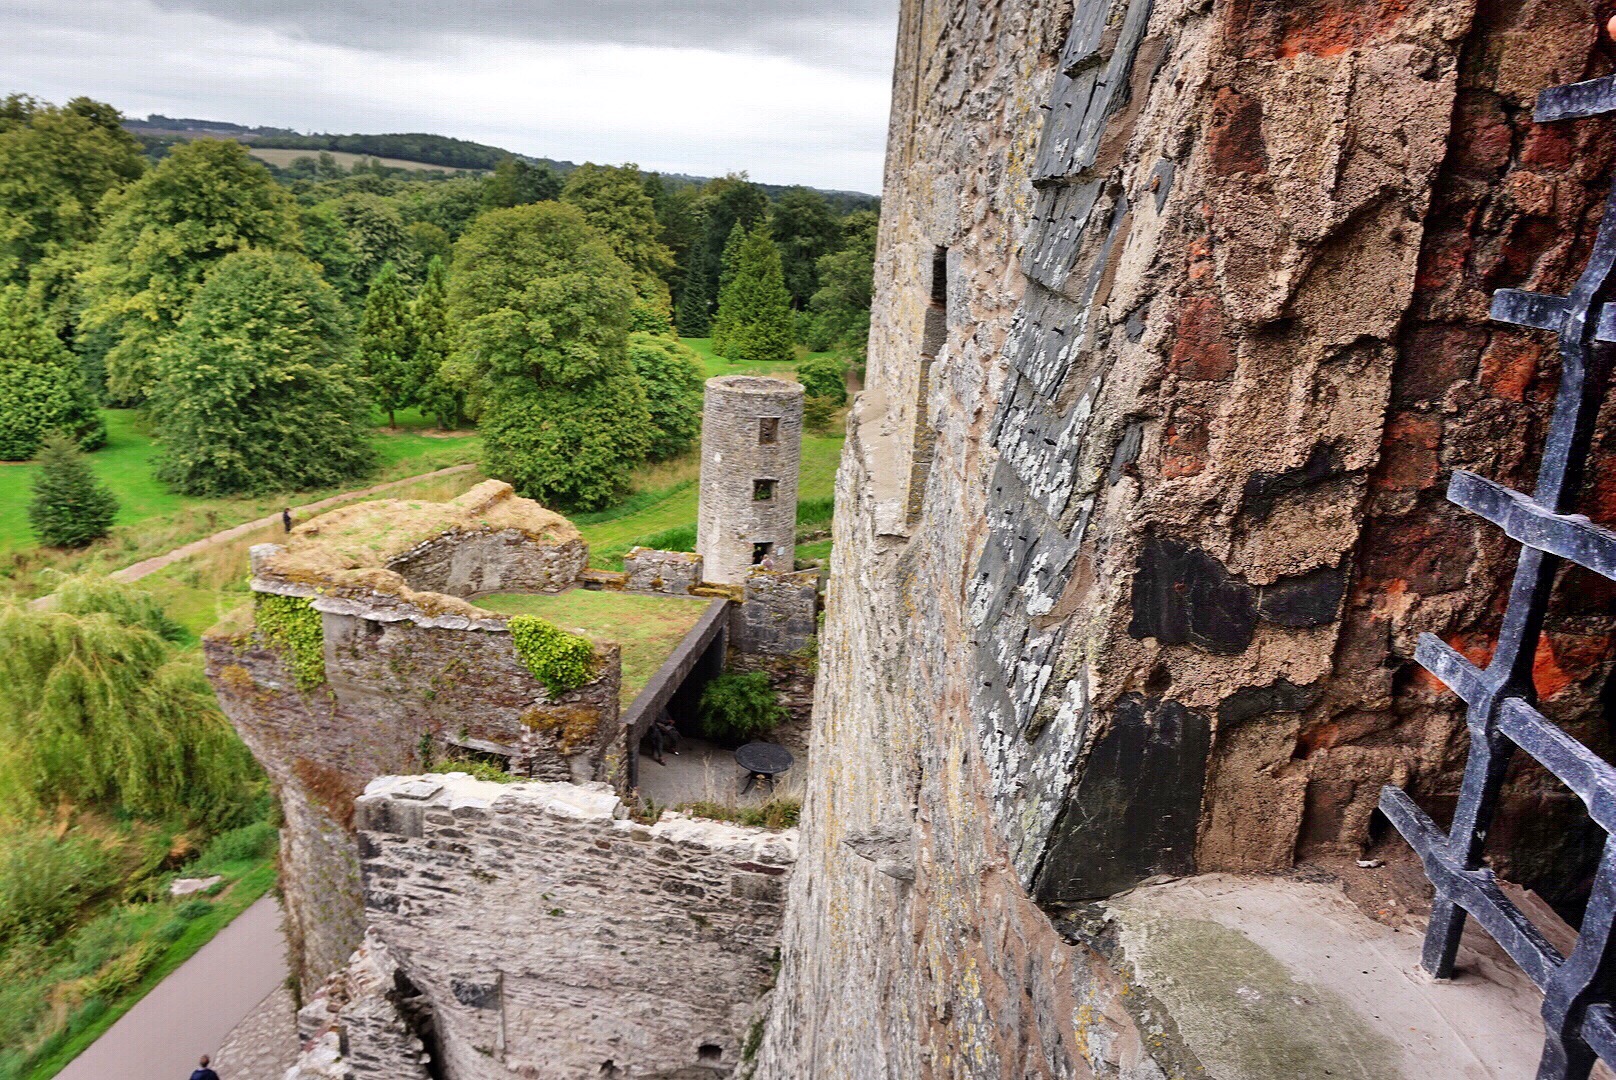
pixel 158 132
pixel 411 146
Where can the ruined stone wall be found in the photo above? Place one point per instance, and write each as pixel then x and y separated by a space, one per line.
pixel 751 434
pixel 1179 460
pixel 393 690
pixel 653 571
pixel 552 937
pixel 469 563
pixel 779 613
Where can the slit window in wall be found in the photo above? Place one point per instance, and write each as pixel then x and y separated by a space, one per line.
pixel 933 336
pixel 762 490
pixel 768 430
pixel 710 1052
pixel 761 552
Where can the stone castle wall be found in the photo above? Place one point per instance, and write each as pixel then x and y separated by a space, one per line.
pixel 1128 568
pixel 393 690
pixel 549 936
pixel 470 563
pixel 751 431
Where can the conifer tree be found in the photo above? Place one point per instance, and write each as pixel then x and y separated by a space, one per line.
pixel 42 387
pixel 70 506
pixel 385 349
pixel 430 384
pixel 754 308
pixel 728 264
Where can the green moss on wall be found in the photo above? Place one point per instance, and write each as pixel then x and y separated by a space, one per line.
pixel 289 624
pixel 561 661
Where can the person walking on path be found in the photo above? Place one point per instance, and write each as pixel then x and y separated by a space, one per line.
pixel 203 1072
pixel 286 519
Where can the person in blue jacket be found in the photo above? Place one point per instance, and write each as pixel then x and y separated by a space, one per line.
pixel 203 1072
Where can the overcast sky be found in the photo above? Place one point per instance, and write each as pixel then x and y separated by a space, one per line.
pixel 791 91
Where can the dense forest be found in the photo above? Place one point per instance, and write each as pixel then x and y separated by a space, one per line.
pixel 258 313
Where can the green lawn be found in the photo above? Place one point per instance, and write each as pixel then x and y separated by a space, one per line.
pixel 717 365
pixel 647 627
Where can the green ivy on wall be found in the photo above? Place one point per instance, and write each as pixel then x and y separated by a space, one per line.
pixel 289 623
pixel 561 661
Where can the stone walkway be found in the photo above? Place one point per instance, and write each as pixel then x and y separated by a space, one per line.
pixel 264 1045
pixel 702 772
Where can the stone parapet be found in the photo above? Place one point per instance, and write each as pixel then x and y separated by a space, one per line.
pixel 653 571
pixel 553 936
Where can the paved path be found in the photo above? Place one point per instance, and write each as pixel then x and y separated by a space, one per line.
pixel 191 1012
pixel 301 513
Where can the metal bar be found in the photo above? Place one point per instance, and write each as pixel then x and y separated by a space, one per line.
pixel 1566 536
pixel 1589 776
pixel 1476 891
pixel 1541 311
pixel 1576 100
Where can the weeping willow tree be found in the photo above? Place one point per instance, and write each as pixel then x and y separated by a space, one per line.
pixel 98 708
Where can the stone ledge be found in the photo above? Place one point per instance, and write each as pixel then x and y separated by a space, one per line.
pixel 1259 978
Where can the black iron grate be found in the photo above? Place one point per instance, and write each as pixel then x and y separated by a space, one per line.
pixel 1578 989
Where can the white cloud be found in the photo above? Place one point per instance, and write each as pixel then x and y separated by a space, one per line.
pixel 678 108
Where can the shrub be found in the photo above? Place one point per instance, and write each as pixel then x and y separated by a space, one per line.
pixel 738 706
pixel 44 882
pixel 238 845
pixel 291 624
pixel 86 595
pixel 817 414
pixel 70 506
pixel 561 661
pixel 193 909
pixel 824 377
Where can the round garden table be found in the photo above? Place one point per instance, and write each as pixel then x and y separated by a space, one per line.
pixel 762 761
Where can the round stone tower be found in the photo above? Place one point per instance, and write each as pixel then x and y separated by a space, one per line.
pixel 751 444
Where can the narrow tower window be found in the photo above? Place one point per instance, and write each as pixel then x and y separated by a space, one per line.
pixel 761 552
pixel 768 430
pixel 762 490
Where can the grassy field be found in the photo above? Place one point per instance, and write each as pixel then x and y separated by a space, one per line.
pixel 281 158
pixel 647 627
pixel 152 519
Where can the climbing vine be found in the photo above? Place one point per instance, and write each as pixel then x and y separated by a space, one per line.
pixel 561 661
pixel 291 624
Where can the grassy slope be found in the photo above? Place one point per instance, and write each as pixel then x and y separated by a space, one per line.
pixel 647 627
pixel 153 520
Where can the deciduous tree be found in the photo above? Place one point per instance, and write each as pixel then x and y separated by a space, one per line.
pixel 41 384
pixel 804 229
pixel 256 392
pixel 614 201
pixel 540 308
pixel 56 164
pixel 162 235
pixel 841 306
pixel 516 183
